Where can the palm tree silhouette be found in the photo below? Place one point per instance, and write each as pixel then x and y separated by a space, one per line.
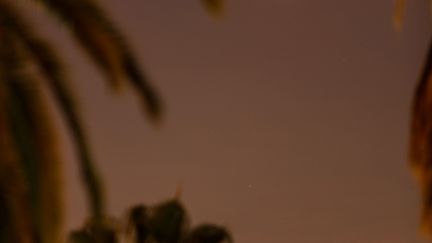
pixel 30 163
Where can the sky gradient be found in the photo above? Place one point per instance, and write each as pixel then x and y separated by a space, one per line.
pixel 286 121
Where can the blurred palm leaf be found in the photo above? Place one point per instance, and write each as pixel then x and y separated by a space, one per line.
pixel 50 66
pixel 16 218
pixel 99 230
pixel 421 140
pixel 168 222
pixel 31 123
pixel 30 166
pixel 214 7
pixel 138 224
pixel 37 164
pixel 420 146
pixel 105 44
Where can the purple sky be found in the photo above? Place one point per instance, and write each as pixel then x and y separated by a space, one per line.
pixel 287 121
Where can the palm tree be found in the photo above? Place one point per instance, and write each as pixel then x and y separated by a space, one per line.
pixel 30 163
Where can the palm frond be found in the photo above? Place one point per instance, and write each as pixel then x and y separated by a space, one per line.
pixel 30 178
pixel 35 139
pixel 214 7
pixel 421 140
pixel 14 194
pixel 41 139
pixel 138 224
pixel 51 68
pixel 96 231
pixel 168 222
pixel 105 44
pixel 16 219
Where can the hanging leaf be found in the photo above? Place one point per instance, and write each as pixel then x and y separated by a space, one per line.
pixel 44 160
pixel 80 236
pixel 50 66
pixel 16 221
pixel 421 141
pixel 107 47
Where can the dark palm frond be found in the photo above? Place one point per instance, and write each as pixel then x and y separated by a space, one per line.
pixel 35 136
pixel 16 219
pixel 399 13
pixel 14 190
pixel 15 215
pixel 95 231
pixel 138 224
pixel 35 140
pixel 168 222
pixel 30 178
pixel 51 68
pixel 208 233
pixel 214 7
pixel 40 140
pixel 421 140
pixel 80 236
pixel 105 44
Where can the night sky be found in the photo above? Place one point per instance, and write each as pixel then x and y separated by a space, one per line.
pixel 286 121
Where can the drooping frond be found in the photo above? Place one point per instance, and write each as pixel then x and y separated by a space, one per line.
pixel 34 136
pixel 15 208
pixel 34 139
pixel 105 44
pixel 15 215
pixel 50 66
pixel 30 200
pixel 421 140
